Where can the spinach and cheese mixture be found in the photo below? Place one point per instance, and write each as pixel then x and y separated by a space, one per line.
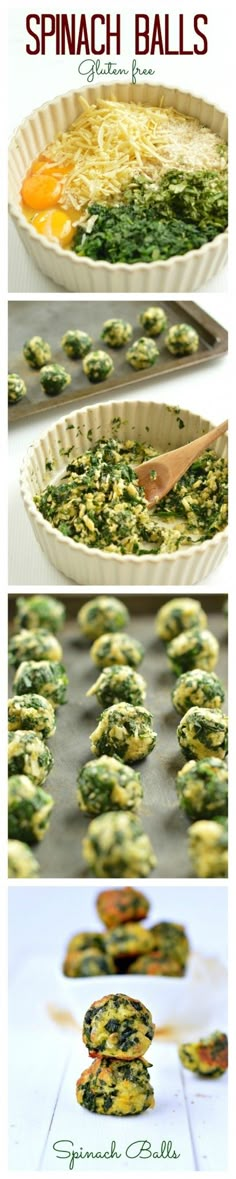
pixel 99 502
pixel 153 320
pixel 86 941
pixel 116 845
pixel 97 366
pixel 37 352
pixel 207 1057
pixel 153 963
pixel 171 943
pixel 202 688
pixel 106 784
pixel 179 614
pixel 208 847
pixel 76 344
pixel 193 648
pixel 182 340
pixel 101 615
pixel 83 963
pixel 116 906
pixel 116 332
pixel 117 649
pixel 35 612
pixel 54 378
pixel 119 683
pixel 115 1088
pixel 29 809
pixel 31 712
pixel 124 731
pixel 118 1026
pixel 38 644
pixel 16 388
pixel 203 732
pixel 21 860
pixel 28 754
pixel 43 677
pixel 129 940
pixel 202 788
pixel 143 353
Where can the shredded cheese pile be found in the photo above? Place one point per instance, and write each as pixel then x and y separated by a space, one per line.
pixel 112 143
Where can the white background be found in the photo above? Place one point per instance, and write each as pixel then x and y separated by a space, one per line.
pixel 203 390
pixel 36 79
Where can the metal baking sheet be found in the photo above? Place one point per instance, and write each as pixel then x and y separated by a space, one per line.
pixel 52 319
pixel 60 854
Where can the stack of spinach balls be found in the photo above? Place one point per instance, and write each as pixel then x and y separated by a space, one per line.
pixel 110 788
pixel 39 687
pixel 198 696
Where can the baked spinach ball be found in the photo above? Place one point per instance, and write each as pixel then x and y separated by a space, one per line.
pixel 76 344
pixel 54 378
pixel 116 332
pixel 111 649
pixel 208 847
pixel 21 861
pixel 97 366
pixel 119 683
pixel 177 615
pixel 172 944
pixel 28 754
pixel 116 845
pixel 193 648
pixel 16 388
pixel 153 320
pixel 124 731
pixel 31 712
pixel 37 352
pixel 116 906
pixel 29 809
pixel 113 1087
pixel 182 339
pixel 197 687
pixel 118 1026
pixel 143 353
pixel 127 941
pixel 208 1057
pixel 203 732
pixel 41 676
pixel 38 644
pixel 202 788
pixel 101 615
pixel 40 611
pixel 107 785
pixel 87 941
pixel 85 963
pixel 154 964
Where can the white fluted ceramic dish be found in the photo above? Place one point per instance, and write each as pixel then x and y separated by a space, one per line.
pixel 187 272
pixel 138 420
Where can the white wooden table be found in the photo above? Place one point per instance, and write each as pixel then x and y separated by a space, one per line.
pixel 47 1057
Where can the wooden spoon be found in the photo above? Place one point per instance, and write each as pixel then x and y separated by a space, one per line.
pixel 159 474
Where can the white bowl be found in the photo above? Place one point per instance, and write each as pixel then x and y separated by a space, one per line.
pixel 92 566
pixel 187 272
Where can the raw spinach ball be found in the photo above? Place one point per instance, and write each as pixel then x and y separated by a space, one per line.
pixel 101 615
pixel 47 679
pixel 31 711
pixel 28 754
pixel 36 611
pixel 97 366
pixel 197 687
pixel 116 845
pixel 177 615
pixel 54 378
pixel 208 847
pixel 116 332
pixel 202 788
pixel 124 731
pixel 37 352
pixel 153 320
pixel 38 644
pixel 193 648
pixel 143 353
pixel 21 861
pixel 16 388
pixel 29 809
pixel 119 683
pixel 203 732
pixel 182 340
pixel 117 649
pixel 106 785
pixel 76 344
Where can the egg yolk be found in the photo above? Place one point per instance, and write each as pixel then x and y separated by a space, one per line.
pixel 40 190
pixel 54 224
